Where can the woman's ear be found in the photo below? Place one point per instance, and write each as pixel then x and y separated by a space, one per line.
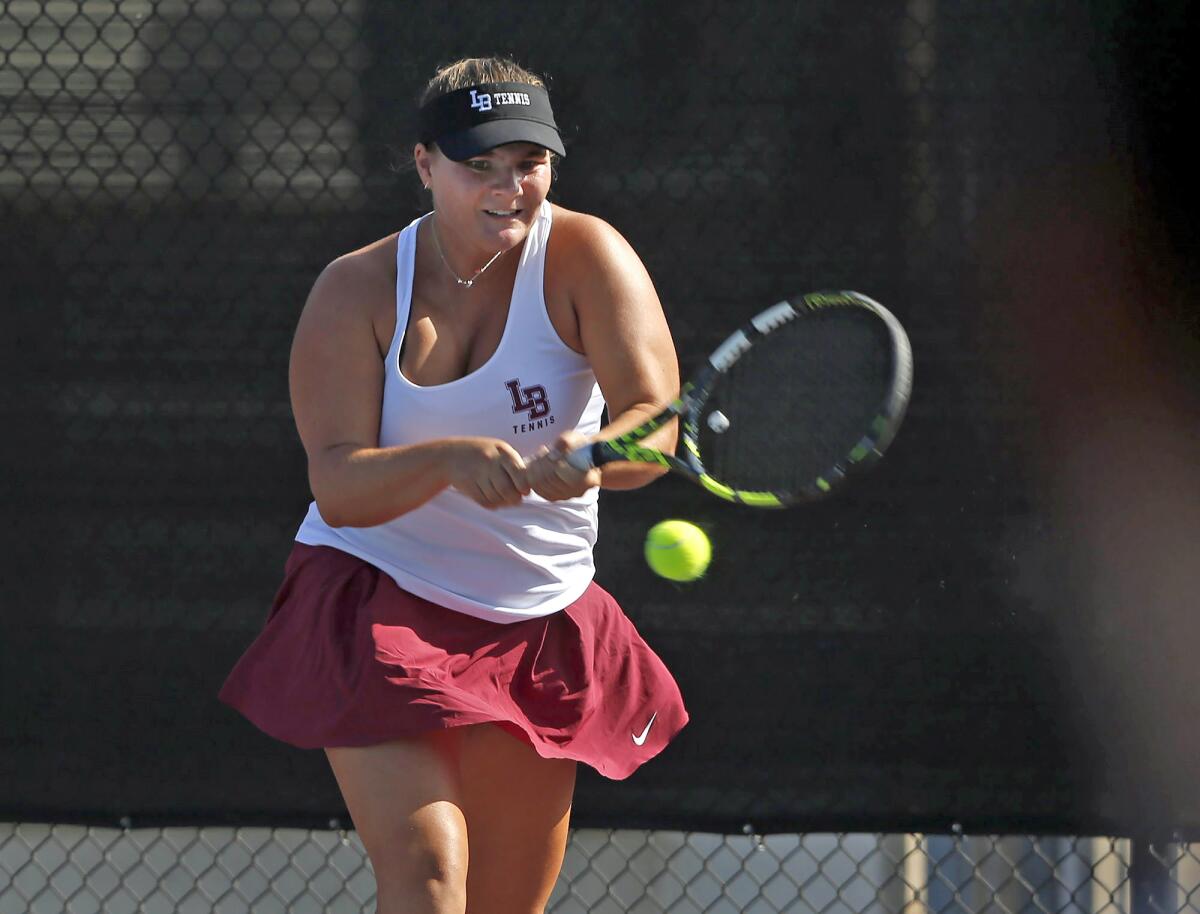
pixel 422 156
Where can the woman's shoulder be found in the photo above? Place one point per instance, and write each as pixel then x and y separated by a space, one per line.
pixel 581 228
pixel 359 278
pixel 370 264
pixel 584 241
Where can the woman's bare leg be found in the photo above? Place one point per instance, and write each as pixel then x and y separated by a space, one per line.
pixel 518 809
pixel 405 802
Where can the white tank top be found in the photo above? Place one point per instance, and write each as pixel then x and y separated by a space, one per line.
pixel 512 563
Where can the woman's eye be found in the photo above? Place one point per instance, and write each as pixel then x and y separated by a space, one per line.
pixel 477 164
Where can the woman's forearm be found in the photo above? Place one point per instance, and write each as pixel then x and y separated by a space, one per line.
pixel 357 486
pixel 624 475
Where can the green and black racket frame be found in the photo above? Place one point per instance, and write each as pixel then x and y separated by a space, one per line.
pixel 803 396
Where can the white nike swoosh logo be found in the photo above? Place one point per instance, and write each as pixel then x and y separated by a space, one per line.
pixel 639 739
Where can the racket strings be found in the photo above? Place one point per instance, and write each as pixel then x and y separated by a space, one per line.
pixel 798 401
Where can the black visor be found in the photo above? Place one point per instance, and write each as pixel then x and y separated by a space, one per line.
pixel 469 121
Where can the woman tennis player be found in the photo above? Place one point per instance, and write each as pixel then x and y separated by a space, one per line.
pixel 438 632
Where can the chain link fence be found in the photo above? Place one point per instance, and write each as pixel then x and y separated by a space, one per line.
pixel 53 869
pixel 130 104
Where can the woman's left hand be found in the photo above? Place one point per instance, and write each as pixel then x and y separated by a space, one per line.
pixel 552 477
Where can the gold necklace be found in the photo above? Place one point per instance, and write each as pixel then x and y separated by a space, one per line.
pixel 458 279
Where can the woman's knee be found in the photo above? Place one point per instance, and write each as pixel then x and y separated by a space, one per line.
pixel 431 845
pixel 423 860
pixel 405 803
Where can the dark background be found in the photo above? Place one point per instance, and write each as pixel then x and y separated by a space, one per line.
pixel 997 628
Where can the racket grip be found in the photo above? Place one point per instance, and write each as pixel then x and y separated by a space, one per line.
pixel 583 458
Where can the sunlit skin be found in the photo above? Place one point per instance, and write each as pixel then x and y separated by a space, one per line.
pixel 466 195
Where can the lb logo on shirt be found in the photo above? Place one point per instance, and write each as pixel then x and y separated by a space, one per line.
pixel 530 399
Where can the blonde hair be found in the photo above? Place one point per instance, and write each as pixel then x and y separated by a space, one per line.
pixel 471 71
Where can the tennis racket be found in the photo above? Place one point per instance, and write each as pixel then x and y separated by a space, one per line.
pixel 805 394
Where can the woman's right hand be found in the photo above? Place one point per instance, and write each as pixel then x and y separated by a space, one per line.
pixel 488 471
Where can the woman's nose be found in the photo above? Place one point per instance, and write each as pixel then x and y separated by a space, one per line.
pixel 507 179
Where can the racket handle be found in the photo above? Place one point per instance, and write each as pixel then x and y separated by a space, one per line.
pixel 583 458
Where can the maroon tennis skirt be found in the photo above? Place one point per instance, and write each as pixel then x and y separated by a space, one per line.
pixel 347 658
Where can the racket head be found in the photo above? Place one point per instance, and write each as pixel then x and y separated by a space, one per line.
pixel 806 394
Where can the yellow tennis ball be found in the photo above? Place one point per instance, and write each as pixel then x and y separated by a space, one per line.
pixel 678 550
